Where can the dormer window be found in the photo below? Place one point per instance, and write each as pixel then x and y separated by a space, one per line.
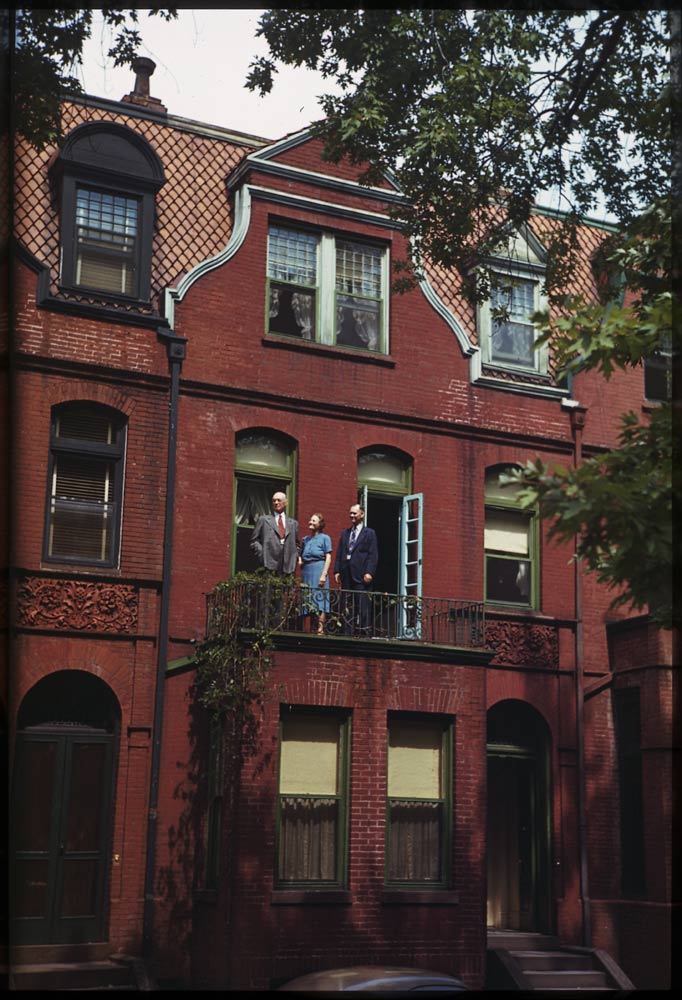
pixel 505 326
pixel 107 241
pixel 108 177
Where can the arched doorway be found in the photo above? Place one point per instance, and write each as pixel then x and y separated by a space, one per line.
pixel 518 824
pixel 62 804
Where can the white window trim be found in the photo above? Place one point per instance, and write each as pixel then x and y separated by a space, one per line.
pixel 511 270
pixel 325 298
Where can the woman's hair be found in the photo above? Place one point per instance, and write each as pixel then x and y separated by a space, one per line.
pixel 321 519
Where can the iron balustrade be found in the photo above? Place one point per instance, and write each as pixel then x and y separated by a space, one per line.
pixel 369 614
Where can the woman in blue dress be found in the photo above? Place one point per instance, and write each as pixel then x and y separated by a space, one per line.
pixel 315 560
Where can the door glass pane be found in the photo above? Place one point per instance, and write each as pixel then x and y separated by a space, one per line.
pixel 79 887
pixel 33 808
pixel 86 788
pixel 30 894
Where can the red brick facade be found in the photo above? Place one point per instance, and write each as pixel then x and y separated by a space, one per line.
pixel 424 399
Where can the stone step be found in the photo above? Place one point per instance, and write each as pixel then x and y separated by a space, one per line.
pixel 72 976
pixel 538 960
pixel 566 979
pixel 522 941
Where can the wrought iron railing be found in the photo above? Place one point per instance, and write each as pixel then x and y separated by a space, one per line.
pixel 371 615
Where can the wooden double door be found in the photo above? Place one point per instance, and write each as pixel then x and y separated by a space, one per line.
pixel 61 821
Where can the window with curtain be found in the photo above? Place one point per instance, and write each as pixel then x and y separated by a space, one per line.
pixel 264 464
pixel 418 820
pixel 512 335
pixel 107 229
pixel 327 289
pixel 506 333
pixel 510 540
pixel 85 484
pixel 312 801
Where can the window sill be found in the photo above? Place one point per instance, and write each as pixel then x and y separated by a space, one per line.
pixel 310 897
pixel 329 350
pixel 419 897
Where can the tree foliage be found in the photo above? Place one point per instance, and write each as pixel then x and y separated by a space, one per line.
pixel 46 46
pixel 478 113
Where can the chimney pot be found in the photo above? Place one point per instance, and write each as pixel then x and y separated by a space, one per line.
pixel 140 95
pixel 143 69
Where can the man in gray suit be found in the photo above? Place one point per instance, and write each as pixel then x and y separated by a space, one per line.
pixel 275 540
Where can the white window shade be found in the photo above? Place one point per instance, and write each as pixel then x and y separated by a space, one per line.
pixel 506 532
pixel 309 757
pixel 414 761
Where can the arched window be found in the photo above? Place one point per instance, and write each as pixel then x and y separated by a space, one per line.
pixel 108 177
pixel 265 463
pixel 511 547
pixel 85 484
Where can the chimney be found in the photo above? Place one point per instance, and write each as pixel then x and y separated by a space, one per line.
pixel 143 69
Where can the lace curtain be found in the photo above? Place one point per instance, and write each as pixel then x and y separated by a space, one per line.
pixel 414 841
pixel 307 839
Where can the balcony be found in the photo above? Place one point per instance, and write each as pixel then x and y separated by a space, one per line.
pixel 292 608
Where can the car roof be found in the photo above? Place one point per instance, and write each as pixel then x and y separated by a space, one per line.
pixel 373 977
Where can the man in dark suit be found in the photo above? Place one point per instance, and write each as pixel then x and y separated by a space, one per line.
pixel 274 540
pixel 357 557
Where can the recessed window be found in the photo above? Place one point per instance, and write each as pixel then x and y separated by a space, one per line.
pixel 327 289
pixel 418 822
pixel 107 232
pixel 510 540
pixel 512 334
pixel 312 802
pixel 264 464
pixel 505 327
pixel 106 177
pixel 85 484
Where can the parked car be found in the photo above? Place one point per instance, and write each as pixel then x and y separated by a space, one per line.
pixel 376 979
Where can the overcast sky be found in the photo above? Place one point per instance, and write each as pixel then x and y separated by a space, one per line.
pixel 202 60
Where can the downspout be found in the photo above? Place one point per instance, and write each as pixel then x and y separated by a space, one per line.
pixel 577 425
pixel 175 350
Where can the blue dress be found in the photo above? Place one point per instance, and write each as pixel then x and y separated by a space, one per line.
pixel 313 552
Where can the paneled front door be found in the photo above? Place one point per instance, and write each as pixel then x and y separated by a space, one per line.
pixel 61 821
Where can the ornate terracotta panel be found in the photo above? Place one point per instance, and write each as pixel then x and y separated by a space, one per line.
pixel 77 604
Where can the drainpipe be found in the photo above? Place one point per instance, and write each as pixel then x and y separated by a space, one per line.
pixel 175 350
pixel 577 425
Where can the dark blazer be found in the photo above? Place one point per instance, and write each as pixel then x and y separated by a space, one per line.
pixel 364 557
pixel 266 544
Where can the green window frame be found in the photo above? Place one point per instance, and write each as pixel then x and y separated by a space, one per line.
pixel 419 824
pixel 264 463
pixel 311 843
pixel 327 288
pixel 511 543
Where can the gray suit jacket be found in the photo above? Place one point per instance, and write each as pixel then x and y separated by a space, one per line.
pixel 269 550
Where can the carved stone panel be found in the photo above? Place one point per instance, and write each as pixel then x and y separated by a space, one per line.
pixel 523 643
pixel 77 605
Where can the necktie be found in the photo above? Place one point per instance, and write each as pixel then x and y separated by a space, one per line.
pixel 280 526
pixel 352 538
